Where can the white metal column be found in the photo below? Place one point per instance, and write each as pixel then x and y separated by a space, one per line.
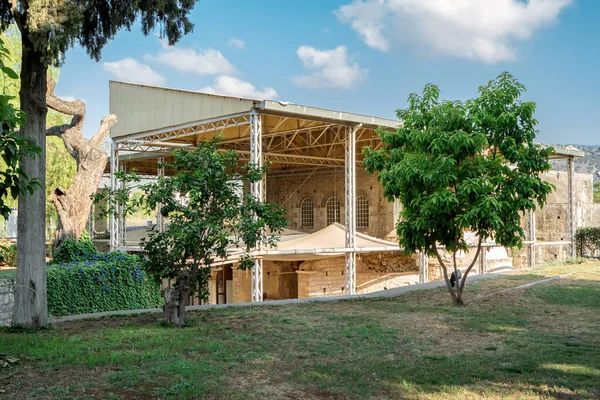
pixel 256 191
pixel 483 261
pixel 113 221
pixel 121 217
pixel 572 207
pixel 350 207
pixel 160 172
pixel 423 267
pixel 532 237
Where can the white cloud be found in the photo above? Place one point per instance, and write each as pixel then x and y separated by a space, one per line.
pixel 128 69
pixel 485 30
pixel 331 68
pixel 202 62
pixel 232 86
pixel 237 43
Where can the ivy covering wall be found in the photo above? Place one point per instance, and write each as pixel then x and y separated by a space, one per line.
pixel 87 281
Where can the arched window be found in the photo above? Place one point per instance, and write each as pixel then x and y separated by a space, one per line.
pixel 362 212
pixel 307 213
pixel 333 210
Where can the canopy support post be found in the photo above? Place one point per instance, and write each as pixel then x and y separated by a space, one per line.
pixel 113 220
pixel 572 207
pixel 350 207
pixel 423 267
pixel 532 237
pixel 257 192
pixel 160 172
pixel 483 261
pixel 121 222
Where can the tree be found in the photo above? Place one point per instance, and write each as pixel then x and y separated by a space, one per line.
pixel 48 29
pixel 462 166
pixel 13 147
pixel 73 205
pixel 597 192
pixel 208 215
pixel 60 167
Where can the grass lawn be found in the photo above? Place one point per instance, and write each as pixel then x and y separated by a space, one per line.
pixel 540 342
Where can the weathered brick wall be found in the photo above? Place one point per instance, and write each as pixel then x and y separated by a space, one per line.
pixel 7 299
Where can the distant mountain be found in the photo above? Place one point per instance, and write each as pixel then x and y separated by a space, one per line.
pixel 589 164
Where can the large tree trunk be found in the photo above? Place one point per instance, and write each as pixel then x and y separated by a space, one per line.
pixel 176 298
pixel 73 205
pixel 30 291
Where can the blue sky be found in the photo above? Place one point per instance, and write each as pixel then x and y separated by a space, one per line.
pixel 367 56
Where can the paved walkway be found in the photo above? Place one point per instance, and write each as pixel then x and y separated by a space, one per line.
pixel 375 295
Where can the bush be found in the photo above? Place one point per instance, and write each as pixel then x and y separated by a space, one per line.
pixel 588 242
pixel 8 253
pixel 75 250
pixel 101 282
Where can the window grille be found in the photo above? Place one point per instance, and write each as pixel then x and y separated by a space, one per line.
pixel 307 210
pixel 362 212
pixel 333 210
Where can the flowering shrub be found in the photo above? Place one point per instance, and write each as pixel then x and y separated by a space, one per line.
pixel 100 282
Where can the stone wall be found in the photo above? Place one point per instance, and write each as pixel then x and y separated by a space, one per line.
pixel 552 220
pixel 289 191
pixel 326 277
pixel 7 300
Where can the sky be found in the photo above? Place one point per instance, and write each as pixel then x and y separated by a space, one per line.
pixel 366 56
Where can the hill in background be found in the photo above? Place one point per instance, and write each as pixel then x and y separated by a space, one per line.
pixel 589 164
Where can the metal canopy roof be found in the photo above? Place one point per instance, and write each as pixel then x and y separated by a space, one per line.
pixel 155 120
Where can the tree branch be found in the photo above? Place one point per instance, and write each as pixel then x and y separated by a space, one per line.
pixel 464 277
pixel 75 108
pixel 102 133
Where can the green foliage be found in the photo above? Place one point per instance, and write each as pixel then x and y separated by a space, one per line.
pixel 102 282
pixel 462 166
pixel 54 26
pixel 588 241
pixel 207 210
pixel 459 166
pixel 8 253
pixel 13 147
pixel 73 250
pixel 597 192
pixel 60 166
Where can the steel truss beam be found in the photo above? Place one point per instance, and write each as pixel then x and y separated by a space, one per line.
pixel 192 128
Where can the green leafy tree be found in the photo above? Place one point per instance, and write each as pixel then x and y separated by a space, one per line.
pixel 208 215
pixel 13 147
pixel 462 166
pixel 49 28
pixel 597 192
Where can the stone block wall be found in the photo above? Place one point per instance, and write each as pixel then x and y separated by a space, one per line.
pixel 289 191
pixel 7 300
